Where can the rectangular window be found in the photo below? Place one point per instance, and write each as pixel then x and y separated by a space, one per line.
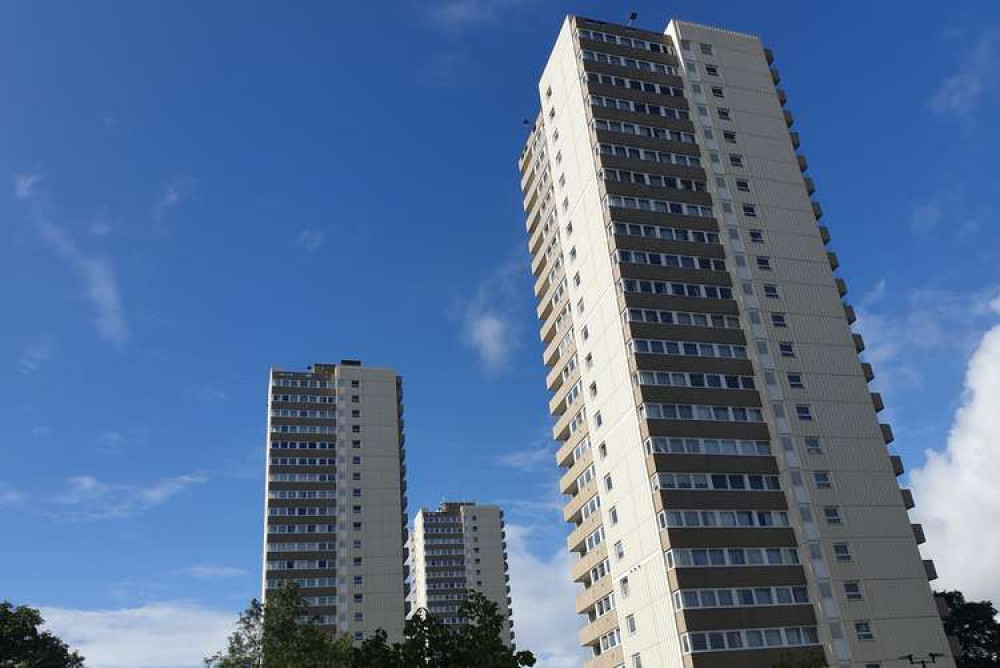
pixel 630 625
pixel 706 49
pixel 750 210
pixel 718 92
pixel 742 184
pixel 803 412
pixel 756 236
pixel 735 160
pixel 723 114
pixel 636 661
pixel 771 291
pixel 823 480
pixel 712 70
pixel 608 485
pixel 832 515
pixel 763 263
pixel 786 348
pixel 730 138
pixel 613 516
pixel 852 591
pixel 842 552
pixel 795 381
pixel 623 587
pixel 863 630
pixel 779 320
pixel 813 445
pixel 619 550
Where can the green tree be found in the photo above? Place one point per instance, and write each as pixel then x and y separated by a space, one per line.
pixel 428 642
pixel 975 624
pixel 23 645
pixel 271 635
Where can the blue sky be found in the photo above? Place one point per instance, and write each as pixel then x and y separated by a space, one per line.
pixel 193 192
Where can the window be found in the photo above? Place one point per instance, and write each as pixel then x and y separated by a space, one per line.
pixel 742 184
pixel 355 399
pixel 723 114
pixel 823 480
pixel 750 210
pixel 608 484
pixel 730 138
pixel 736 160
pixel 852 591
pixel 696 88
pixel 613 515
pixel 763 263
pixel 705 48
pixel 803 412
pixel 636 661
pixel 795 381
pixel 756 236
pixel 356 429
pixel 598 420
pixel 355 414
pixel 786 348
pixel 593 389
pixel 685 45
pixel 630 625
pixel 355 444
pixel 712 70
pixel 813 445
pixel 842 552
pixel 623 587
pixel 602 450
pixel 589 360
pixel 779 320
pixel 619 550
pixel 718 92
pixel 832 515
pixel 355 383
pixel 702 110
pixel 585 333
pixel 863 630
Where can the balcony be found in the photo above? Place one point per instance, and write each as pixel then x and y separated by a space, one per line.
pixel 609 659
pixel 877 402
pixel 887 434
pixel 918 533
pixel 859 343
pixel 897 464
pixel 850 314
pixel 824 234
pixel 834 261
pixel 588 597
pixel 581 568
pixel 907 495
pixel 817 210
pixel 782 96
pixel 768 56
pixel 789 117
pixel 572 473
pixel 930 569
pixel 841 287
pixel 810 184
pixel 775 75
pixel 576 538
pixel 803 163
pixel 868 371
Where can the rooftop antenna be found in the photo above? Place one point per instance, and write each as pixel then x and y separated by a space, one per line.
pixel 632 17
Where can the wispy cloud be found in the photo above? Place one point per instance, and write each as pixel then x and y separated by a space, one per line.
pixel 310 239
pixel 179 190
pixel 956 488
pixel 445 69
pixel 960 93
pixel 87 498
pixel 158 635
pixel 25 184
pixel 98 280
pixel 213 571
pixel 10 496
pixel 211 395
pixel 489 319
pixel 465 14
pixel 40 431
pixel 34 356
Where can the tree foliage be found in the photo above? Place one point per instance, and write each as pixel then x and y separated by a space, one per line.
pixel 271 635
pixel 975 624
pixel 24 645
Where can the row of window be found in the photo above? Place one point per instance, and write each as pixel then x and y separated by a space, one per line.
pixel 305 398
pixel 696 290
pixel 649 155
pixel 307 511
pixel 639 130
pixel 632 84
pixel 687 348
pixel 301 564
pixel 303 461
pixel 302 477
pixel 723 518
pixel 303 445
pixel 302 413
pixel 733 556
pixel 671 260
pixel 301 528
pixel 631 63
pixel 715 641
pixel 657 205
pixel 301 547
pixel 742 597
pixel 303 583
pixel 706 446
pixel 302 429
pixel 592 506
pixel 603 606
pixel 302 494
pixel 691 379
pixel 610 38
pixel 665 233
pixel 664 317
pixel 652 180
pixel 753 482
pixel 586 477
pixel 294 382
pixel 636 107
pixel 696 412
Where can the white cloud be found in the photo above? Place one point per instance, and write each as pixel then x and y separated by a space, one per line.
pixel 544 608
pixel 489 319
pixel 179 190
pixel 157 635
pixel 34 356
pixel 25 184
pixel 42 430
pixel 87 498
pixel 900 332
pixel 9 495
pixel 958 499
pixel 529 459
pixel 960 93
pixel 310 239
pixel 98 280
pixel 212 571
pixel 462 14
pixel 926 216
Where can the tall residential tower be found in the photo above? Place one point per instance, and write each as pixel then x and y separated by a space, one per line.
pixel 335 517
pixel 733 498
pixel 460 547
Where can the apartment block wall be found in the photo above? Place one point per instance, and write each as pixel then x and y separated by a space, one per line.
pixel 352 455
pixel 603 413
